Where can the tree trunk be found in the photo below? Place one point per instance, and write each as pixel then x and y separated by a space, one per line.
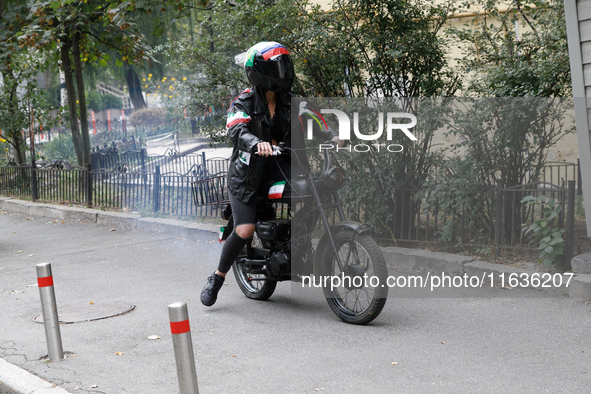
pixel 135 88
pixel 81 98
pixel 19 150
pixel 67 68
pixel 13 134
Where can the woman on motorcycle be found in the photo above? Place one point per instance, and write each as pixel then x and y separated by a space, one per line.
pixel 257 119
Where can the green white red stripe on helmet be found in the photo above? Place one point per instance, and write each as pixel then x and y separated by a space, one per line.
pixel 268 50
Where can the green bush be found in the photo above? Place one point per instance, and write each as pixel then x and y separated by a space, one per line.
pixel 544 230
pixel 112 101
pixel 147 117
pixel 58 148
pixel 94 101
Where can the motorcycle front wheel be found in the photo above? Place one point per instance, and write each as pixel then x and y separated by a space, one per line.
pixel 254 286
pixel 360 294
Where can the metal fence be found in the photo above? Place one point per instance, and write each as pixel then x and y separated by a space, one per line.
pixel 559 173
pixel 165 186
pixel 62 185
pixel 497 210
pixel 131 191
pixel 112 159
pixel 496 216
pixel 15 181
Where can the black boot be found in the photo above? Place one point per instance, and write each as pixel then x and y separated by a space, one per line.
pixel 209 294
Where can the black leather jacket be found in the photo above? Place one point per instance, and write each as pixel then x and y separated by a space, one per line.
pixel 249 122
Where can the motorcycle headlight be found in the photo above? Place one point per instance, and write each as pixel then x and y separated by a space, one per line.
pixel 334 178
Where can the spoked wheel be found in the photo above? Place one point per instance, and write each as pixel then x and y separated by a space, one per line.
pixel 254 286
pixel 362 290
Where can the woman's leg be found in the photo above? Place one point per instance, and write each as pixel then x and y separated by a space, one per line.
pixel 232 247
pixel 244 215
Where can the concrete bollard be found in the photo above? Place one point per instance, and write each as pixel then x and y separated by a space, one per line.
pixel 183 348
pixel 49 308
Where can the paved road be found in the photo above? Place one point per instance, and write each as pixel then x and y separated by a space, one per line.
pixel 288 344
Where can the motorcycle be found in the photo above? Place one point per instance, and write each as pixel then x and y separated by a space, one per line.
pixel 344 259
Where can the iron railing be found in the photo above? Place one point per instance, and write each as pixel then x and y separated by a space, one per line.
pixel 495 218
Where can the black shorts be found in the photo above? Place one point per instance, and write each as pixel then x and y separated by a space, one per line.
pixel 278 169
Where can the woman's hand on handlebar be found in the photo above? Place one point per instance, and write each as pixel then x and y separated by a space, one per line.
pixel 264 149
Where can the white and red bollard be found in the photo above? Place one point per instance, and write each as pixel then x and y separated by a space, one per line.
pixel 183 348
pixel 49 307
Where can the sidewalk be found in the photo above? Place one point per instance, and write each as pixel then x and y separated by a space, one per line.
pixel 105 258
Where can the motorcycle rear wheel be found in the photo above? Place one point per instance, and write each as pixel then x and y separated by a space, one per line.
pixel 355 301
pixel 254 286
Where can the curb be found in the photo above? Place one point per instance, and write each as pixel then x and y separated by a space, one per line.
pixel 15 380
pixel 458 265
pixel 105 218
pixel 424 260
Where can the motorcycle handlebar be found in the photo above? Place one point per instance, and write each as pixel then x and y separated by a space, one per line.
pixel 277 149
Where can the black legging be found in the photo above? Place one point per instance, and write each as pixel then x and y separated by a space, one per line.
pixel 277 169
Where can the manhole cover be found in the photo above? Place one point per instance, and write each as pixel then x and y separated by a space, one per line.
pixel 89 312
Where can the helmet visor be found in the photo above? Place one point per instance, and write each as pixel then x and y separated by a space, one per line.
pixel 280 68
